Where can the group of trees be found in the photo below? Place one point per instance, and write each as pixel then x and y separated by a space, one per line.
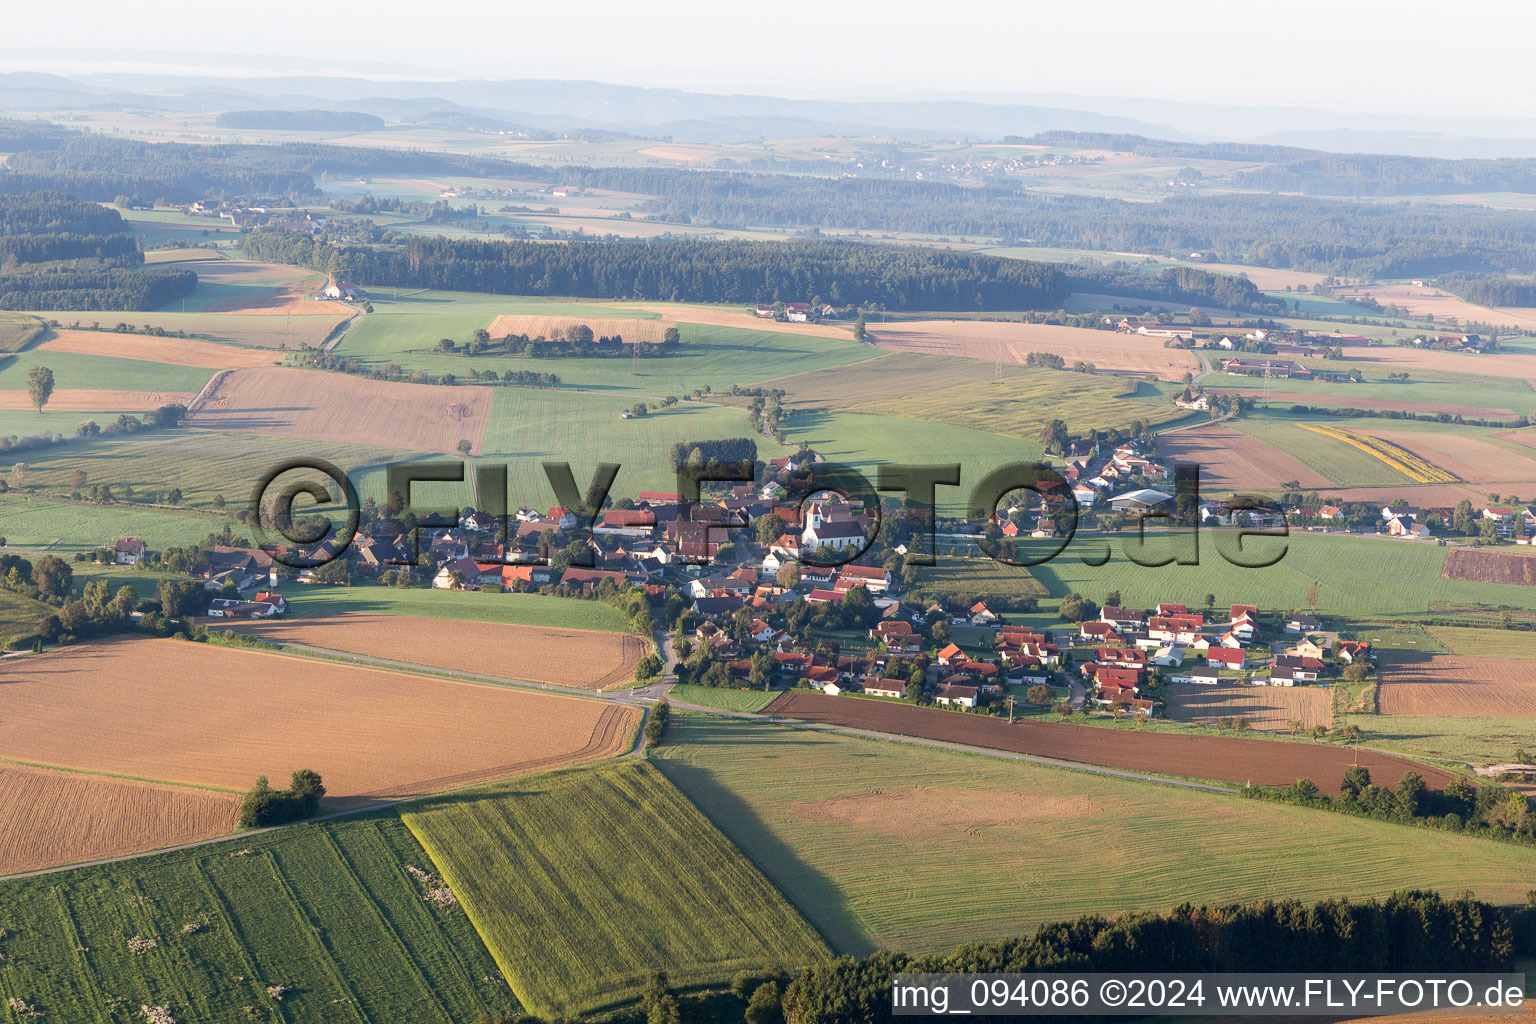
pixel 264 806
pixel 1177 284
pixel 577 341
pixel 710 456
pixel 687 270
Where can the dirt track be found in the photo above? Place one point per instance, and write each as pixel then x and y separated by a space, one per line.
pixel 1236 761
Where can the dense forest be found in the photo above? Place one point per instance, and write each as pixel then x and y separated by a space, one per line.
pixel 1177 284
pixel 688 270
pixel 61 253
pixel 101 168
pixel 300 120
pixel 1409 932
pixel 1490 291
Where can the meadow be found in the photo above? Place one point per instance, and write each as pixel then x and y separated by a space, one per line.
pixel 20 618
pixel 73 370
pixel 333 913
pixel 53 526
pixel 885 845
pixel 473 605
pixel 1356 576
pixel 1486 643
pixel 18 330
pixel 1337 461
pixel 1476 740
pixel 725 699
pixel 583 882
pixel 967 580
pixel 406 331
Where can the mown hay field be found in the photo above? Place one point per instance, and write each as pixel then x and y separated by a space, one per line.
pixel 171 351
pixel 176 711
pixel 335 913
pixel 1485 643
pixel 631 330
pixel 583 882
pixel 1266 708
pixel 335 407
pixel 887 845
pixel 51 817
pixel 1454 685
pixel 585 659
pixel 1013 342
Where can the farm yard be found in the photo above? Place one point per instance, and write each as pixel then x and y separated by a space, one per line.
pixel 1265 708
pixel 569 657
pixel 581 882
pixel 1012 342
pixel 1454 685
pixel 340 922
pixel 1234 761
pixel 890 846
pixel 173 711
pixel 53 817
pixel 633 330
pixel 335 407
pixel 170 351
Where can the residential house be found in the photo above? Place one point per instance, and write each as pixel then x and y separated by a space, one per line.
pixel 955 695
pixel 129 551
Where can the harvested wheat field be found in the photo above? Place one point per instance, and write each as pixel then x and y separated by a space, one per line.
pixel 716 317
pixel 1233 460
pixel 352 410
pixel 223 270
pixel 1012 342
pixel 49 818
pixel 279 303
pixel 1266 708
pixel 1480 566
pixel 1458 687
pixel 96 399
pixel 633 329
pixel 1466 458
pixel 205 715
pixel 1425 300
pixel 1379 360
pixel 589 659
pixel 172 351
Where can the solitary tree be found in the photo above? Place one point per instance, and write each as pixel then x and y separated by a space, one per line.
pixel 40 386
pixel 464 447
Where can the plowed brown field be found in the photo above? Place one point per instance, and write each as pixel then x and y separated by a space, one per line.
pixel 337 407
pixel 1457 686
pixel 216 716
pixel 1231 459
pixel 555 326
pixel 1012 342
pixel 1489 567
pixel 1235 761
pixel 583 658
pixel 175 351
pixel 1267 708
pixel 50 817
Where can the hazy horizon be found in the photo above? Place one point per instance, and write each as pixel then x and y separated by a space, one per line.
pixel 1320 56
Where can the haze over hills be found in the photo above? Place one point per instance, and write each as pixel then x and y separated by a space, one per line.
pixel 559 105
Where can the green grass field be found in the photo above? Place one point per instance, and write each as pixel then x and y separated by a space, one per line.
pixel 72 370
pixel 529 426
pixel 37 524
pixel 887 845
pixel 20 617
pixel 1342 464
pixel 728 700
pixel 583 881
pixel 405 330
pixel 1486 643
pixel 327 911
pixel 1357 576
pixel 202 463
pixel 1476 740
pixel 514 609
pixel 973 579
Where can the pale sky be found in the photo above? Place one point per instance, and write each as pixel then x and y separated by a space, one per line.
pixel 1470 58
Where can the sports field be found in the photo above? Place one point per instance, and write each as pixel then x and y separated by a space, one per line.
pixel 175 711
pixel 884 845
pixel 582 882
pixel 336 914
pixel 567 657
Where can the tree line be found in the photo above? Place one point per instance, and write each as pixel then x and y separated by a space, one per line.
pixel 687 270
pixel 1189 285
